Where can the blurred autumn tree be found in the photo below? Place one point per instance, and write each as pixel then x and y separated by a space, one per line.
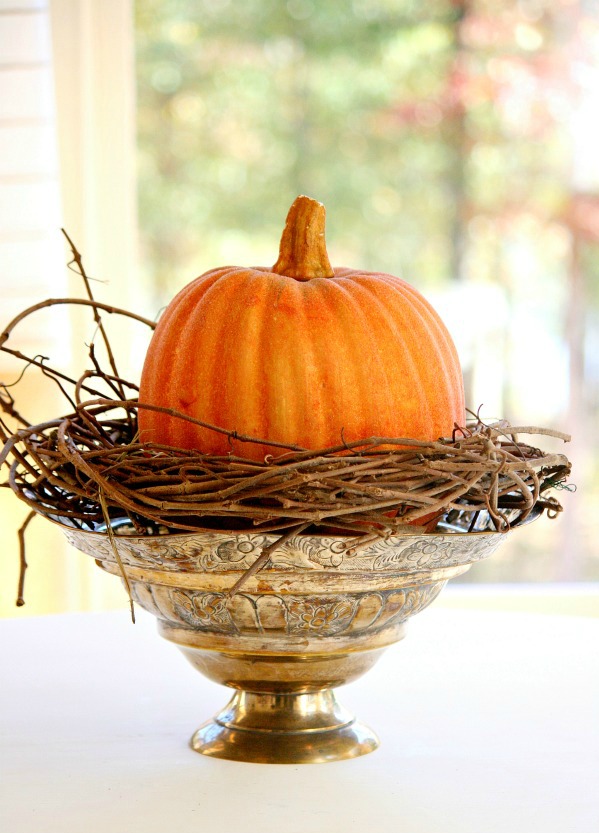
pixel 453 143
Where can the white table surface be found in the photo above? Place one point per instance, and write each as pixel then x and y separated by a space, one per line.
pixel 489 722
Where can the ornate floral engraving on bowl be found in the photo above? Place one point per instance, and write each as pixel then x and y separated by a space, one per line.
pixel 285 615
pixel 222 552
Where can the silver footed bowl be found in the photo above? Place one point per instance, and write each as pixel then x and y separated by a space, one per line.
pixel 317 616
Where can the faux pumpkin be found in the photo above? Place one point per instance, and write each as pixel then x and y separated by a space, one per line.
pixel 301 353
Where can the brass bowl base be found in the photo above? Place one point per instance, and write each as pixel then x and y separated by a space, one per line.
pixel 296 728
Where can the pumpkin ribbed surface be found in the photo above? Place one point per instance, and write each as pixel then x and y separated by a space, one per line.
pixel 306 362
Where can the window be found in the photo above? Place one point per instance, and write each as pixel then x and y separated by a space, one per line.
pixel 453 144
pixel 67 158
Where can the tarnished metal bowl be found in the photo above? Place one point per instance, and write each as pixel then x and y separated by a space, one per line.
pixel 318 616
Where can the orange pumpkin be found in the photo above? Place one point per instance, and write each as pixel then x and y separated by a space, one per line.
pixel 301 353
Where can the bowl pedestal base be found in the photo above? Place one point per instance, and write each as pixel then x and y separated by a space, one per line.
pixel 284 728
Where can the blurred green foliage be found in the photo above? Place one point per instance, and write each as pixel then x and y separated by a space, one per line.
pixel 243 106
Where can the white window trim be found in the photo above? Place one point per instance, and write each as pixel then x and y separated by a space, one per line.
pixel 94 70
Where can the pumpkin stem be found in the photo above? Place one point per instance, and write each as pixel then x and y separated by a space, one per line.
pixel 303 251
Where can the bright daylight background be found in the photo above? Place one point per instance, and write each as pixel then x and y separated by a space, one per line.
pixel 454 143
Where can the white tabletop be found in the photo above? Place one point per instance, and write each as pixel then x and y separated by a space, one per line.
pixel 489 722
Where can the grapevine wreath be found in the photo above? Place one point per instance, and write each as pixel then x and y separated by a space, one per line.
pixel 292 399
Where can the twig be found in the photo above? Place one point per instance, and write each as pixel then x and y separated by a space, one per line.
pixel 264 557
pixel 53 302
pixel 115 550
pixel 77 259
pixel 23 558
